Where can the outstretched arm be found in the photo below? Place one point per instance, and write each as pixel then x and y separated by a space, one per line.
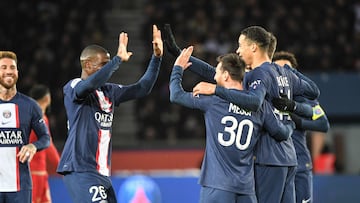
pixel 170 42
pixel 99 78
pixel 177 93
pixel 198 67
pixel 145 84
pixel 249 100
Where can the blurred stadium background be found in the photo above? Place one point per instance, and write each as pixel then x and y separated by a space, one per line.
pixel 163 140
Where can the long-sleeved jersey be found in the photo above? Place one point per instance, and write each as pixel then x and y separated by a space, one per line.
pixel 264 83
pixel 90 107
pixel 17 118
pixel 231 135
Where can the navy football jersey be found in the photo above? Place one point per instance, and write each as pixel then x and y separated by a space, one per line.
pixel 88 145
pixel 17 118
pixel 265 82
pixel 231 135
pixel 269 80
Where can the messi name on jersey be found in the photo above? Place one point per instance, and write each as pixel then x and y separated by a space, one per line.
pixel 237 110
pixel 11 137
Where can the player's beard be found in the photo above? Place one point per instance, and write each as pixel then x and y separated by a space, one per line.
pixel 8 83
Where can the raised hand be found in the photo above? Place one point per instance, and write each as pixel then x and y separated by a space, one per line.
pixel 170 42
pixel 122 49
pixel 183 59
pixel 157 42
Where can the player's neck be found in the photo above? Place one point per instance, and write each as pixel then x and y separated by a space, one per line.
pixel 260 59
pixel 7 94
pixel 233 85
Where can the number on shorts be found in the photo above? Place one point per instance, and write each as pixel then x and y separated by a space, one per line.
pixel 98 192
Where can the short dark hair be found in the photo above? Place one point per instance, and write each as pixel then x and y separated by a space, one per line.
pixel 258 35
pixel 234 65
pixel 91 51
pixel 38 91
pixel 284 55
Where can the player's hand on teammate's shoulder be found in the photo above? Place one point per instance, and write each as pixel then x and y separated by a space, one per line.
pixel 157 42
pixel 122 49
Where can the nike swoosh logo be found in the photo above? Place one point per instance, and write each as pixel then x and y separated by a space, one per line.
pixel 3 123
pixel 306 201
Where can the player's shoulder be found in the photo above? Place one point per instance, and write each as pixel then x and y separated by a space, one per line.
pixel 26 99
pixel 72 83
pixel 264 68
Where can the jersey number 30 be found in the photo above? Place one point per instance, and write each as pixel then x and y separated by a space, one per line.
pixel 235 131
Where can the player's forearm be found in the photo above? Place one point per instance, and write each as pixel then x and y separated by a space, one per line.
pixel 147 81
pixel 321 124
pixel 245 99
pixel 42 142
pixel 202 69
pixel 97 79
pixel 177 93
pixel 303 110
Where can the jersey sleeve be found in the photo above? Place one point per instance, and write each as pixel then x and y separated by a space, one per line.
pixel 276 129
pixel 318 122
pixel 303 109
pixel 202 69
pixel 99 78
pixel 142 87
pixel 40 129
pixel 251 99
pixel 179 96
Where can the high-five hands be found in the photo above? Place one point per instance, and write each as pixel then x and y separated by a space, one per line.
pixel 157 42
pixel 122 49
pixel 170 42
pixel 183 59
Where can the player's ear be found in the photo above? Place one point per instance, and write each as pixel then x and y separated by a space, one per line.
pixel 226 75
pixel 87 64
pixel 253 47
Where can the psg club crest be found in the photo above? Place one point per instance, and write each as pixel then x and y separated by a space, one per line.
pixel 6 114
